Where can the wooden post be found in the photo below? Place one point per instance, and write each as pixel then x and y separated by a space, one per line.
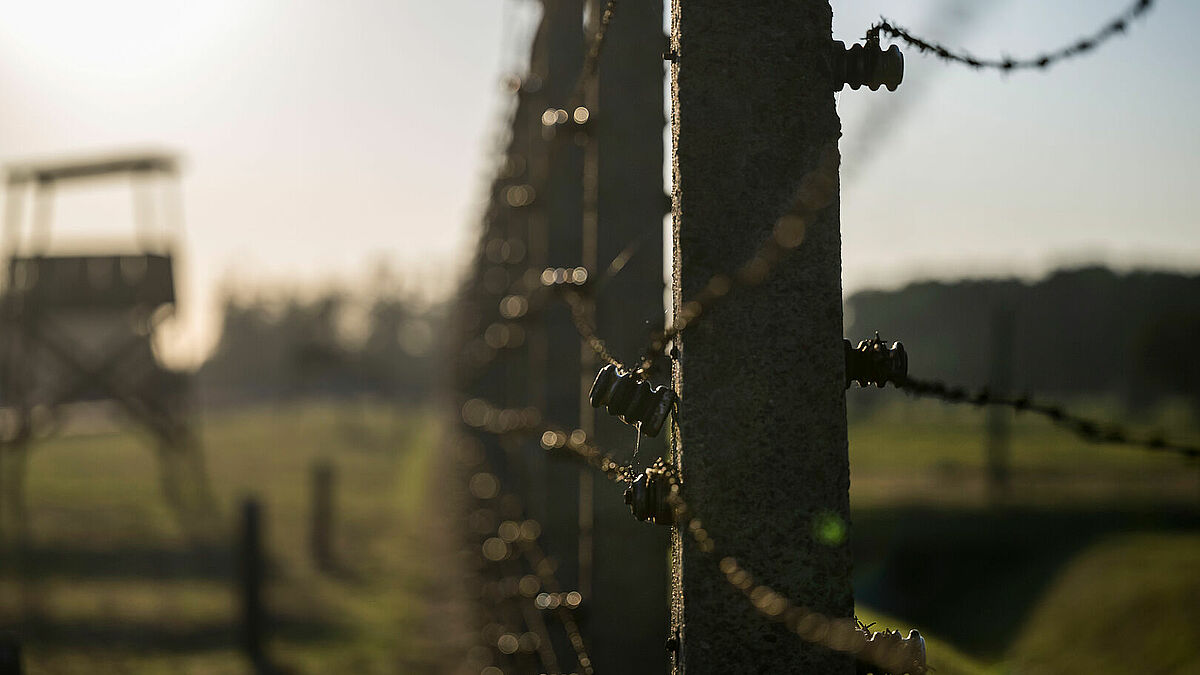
pixel 999 419
pixel 762 415
pixel 627 629
pixel 250 586
pixel 10 654
pixel 321 532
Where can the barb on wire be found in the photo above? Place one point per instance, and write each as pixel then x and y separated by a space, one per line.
pixel 1089 430
pixel 1083 45
pixel 816 190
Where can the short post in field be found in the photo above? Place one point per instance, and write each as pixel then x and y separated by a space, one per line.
pixel 999 418
pixel 10 654
pixel 250 575
pixel 321 530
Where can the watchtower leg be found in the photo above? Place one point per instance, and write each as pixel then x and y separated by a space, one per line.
pixel 14 460
pixel 185 485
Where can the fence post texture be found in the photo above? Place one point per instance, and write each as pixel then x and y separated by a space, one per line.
pixel 762 453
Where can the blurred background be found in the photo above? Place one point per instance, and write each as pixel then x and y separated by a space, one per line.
pixel 235 232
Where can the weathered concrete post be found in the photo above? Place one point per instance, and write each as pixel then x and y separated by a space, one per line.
pixel 761 376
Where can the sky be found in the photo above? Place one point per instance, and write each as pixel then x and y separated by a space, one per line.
pixel 324 139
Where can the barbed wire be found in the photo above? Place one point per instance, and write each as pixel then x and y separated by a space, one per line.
pixel 1114 27
pixel 543 567
pixel 591 60
pixel 816 190
pixel 1090 430
pixel 580 316
pixel 885 649
pixel 484 416
pixel 521 535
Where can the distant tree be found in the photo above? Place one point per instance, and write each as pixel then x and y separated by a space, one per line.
pixel 1082 331
pixel 1169 363
pixel 290 348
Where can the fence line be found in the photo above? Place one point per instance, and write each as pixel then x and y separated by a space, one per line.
pixel 1114 27
pixel 1092 431
pixel 816 190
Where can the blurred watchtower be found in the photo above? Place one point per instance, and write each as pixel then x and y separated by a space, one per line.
pixel 80 327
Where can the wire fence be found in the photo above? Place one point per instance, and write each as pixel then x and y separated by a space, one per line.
pixel 1116 26
pixel 510 546
pixel 1092 431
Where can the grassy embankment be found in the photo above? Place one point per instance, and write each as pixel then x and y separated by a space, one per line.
pixel 1086 565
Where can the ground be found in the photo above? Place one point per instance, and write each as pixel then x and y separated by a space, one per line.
pixel 109 583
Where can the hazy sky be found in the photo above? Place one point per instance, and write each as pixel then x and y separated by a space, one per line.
pixel 321 137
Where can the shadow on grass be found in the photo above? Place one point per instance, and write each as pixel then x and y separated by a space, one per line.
pixel 973 577
pixel 149 635
pixel 145 562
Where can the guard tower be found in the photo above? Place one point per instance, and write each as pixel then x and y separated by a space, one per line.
pixel 79 326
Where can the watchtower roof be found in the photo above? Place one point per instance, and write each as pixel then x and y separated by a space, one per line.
pixel 91 167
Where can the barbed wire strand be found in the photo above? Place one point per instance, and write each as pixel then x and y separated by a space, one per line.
pixel 885 649
pixel 543 567
pixel 580 316
pixel 523 536
pixel 1090 430
pixel 815 190
pixel 1114 27
pixel 591 60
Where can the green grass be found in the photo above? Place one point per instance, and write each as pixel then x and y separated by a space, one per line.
pixel 117 587
pixel 119 590
pixel 1130 604
pixel 926 451
pixel 941 655
pixel 1127 603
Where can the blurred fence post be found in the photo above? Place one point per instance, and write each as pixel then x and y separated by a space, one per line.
pixel 561 208
pixel 10 654
pixel 762 408
pixel 321 532
pixel 251 571
pixel 623 253
pixel 999 418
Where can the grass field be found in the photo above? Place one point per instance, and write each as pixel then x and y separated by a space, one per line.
pixel 111 585
pixel 1085 564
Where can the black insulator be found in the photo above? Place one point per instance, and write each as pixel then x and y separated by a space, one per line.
pixel 866 65
pixel 633 399
pixel 648 496
pixel 874 362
